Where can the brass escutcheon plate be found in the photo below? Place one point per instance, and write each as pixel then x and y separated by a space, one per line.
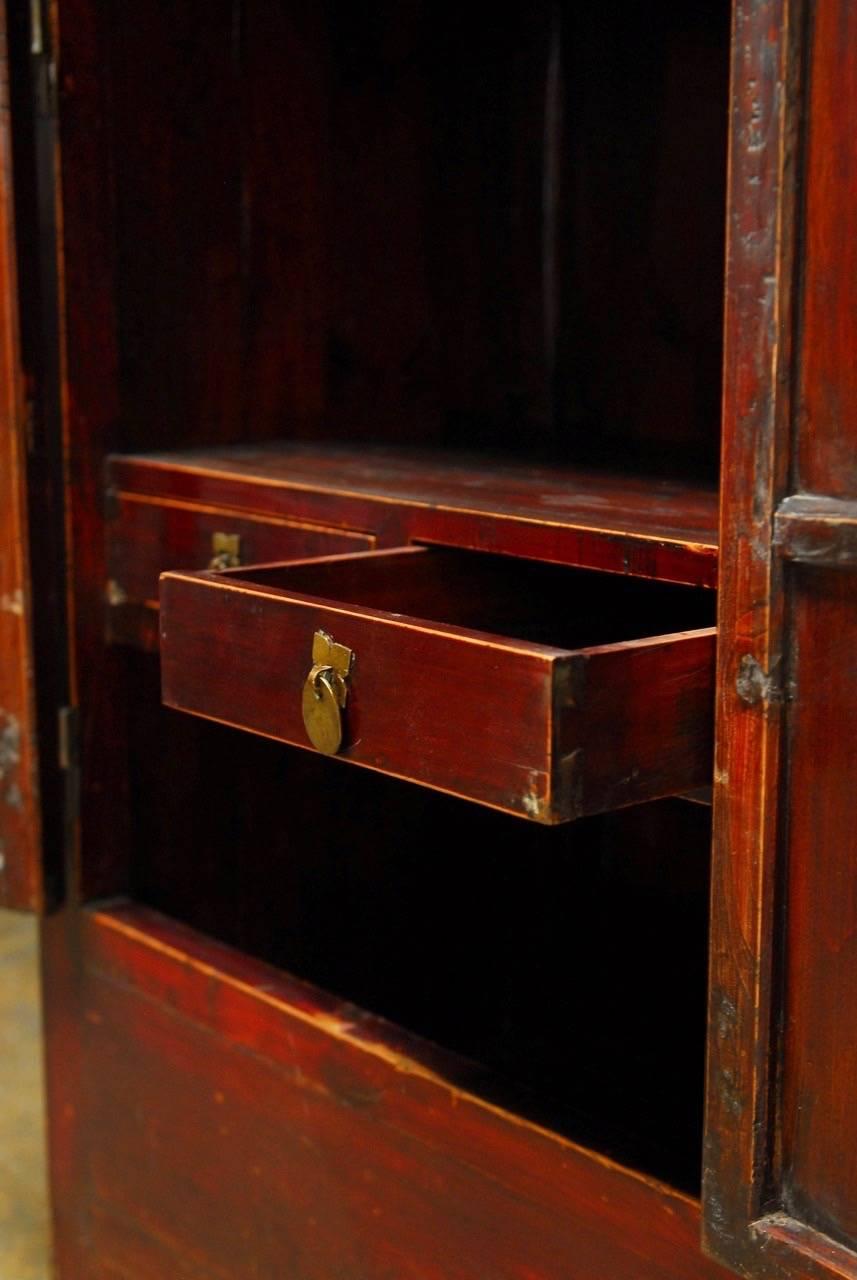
pixel 225 551
pixel 325 693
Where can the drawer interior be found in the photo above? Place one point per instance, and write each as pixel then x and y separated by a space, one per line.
pixel 543 603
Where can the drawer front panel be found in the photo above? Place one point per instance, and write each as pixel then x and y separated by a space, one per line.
pixel 454 711
pixel 149 536
pixel 308 1140
pixel 546 733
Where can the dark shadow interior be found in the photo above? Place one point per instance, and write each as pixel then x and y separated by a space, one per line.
pixel 425 223
pixel 527 600
pixel 432 225
pixel 568 962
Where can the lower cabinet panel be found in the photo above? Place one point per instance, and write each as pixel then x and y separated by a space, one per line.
pixel 240 1125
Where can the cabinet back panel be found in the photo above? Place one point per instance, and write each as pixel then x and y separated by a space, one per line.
pixel 423 222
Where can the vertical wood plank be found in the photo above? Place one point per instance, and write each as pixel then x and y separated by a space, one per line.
pixel 820 1051
pixel 781 1178
pixel 759 269
pixel 827 448
pixel 21 881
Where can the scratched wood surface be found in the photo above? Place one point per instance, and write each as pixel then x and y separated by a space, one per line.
pixel 818 1165
pixel 21 878
pixel 758 296
pixel 573 709
pixel 146 538
pixel 225 280
pixel 780 1181
pixel 352 1149
pixel 819 1151
pixel 647 526
pixel 826 455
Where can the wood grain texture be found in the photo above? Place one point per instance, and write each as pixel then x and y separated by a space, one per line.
pixel 199 306
pixel 527 727
pixel 89 392
pixel 640 526
pixel 756 428
pixel 780 1182
pixel 826 461
pixel 146 538
pixel 21 872
pixel 353 1150
pixel 819 1066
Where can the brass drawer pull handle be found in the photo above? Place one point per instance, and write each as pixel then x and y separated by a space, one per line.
pixel 225 551
pixel 325 693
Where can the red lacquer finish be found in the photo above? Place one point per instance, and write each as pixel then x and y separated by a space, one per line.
pixel 593 715
pixel 643 526
pixel 148 537
pixel 826 459
pixel 362 1152
pixel 781 1181
pixel 21 879
pixel 392 292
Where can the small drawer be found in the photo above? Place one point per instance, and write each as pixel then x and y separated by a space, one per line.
pixel 539 690
pixel 147 536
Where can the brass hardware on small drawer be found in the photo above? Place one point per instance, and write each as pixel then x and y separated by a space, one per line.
pixel 225 551
pixel 325 692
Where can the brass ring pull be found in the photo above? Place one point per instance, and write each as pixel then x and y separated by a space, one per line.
pixel 325 693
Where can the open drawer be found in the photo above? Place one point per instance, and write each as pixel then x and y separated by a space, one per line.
pixel 540 690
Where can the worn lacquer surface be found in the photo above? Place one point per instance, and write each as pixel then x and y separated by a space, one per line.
pixel 361 1151
pixel 21 883
pixel 780 1179
pixel 567 712
pixel 646 526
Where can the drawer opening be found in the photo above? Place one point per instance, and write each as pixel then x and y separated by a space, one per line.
pixel 506 596
pixel 568 964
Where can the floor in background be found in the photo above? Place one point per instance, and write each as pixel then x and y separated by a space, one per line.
pixel 23 1195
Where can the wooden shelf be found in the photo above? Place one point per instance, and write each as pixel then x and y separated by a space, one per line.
pixel 642 526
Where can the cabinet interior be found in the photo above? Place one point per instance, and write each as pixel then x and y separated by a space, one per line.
pixel 568 963
pixel 423 223
pixel 447 227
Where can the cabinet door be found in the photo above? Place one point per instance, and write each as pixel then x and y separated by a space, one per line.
pixel 25 781
pixel 780 1184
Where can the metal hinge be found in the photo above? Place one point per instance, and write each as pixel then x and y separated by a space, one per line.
pixel 45 79
pixel 69 762
pixel 755 686
pixel 37 30
pixel 69 757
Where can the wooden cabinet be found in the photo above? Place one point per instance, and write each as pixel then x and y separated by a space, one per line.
pixel 402 329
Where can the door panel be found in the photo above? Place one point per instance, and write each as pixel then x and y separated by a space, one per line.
pixel 820 1038
pixel 780 1180
pixel 21 882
